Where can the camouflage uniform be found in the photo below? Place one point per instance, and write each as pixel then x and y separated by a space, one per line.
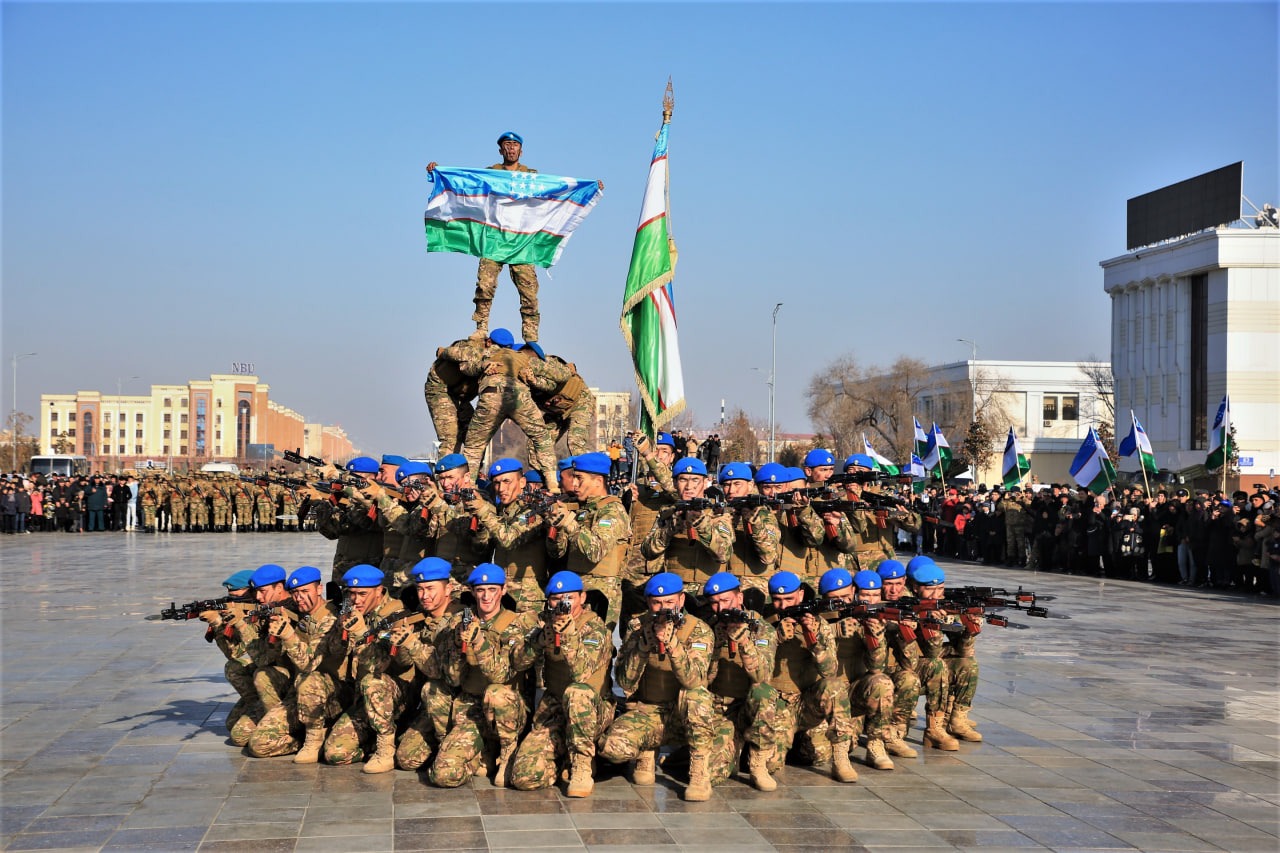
pixel 876 535
pixel 523 276
pixel 449 527
pixel 594 544
pixel 281 728
pixel 757 546
pixel 655 491
pixel 666 689
pixel 354 524
pixel 519 541
pixel 741 666
pixel 962 665
pixel 577 706
pixel 244 507
pixel 1017 526
pixel 198 508
pixel 289 509
pixel 221 507
pixel 568 406
pixel 266 508
pixel 487 711
pixel 935 681
pixel 239 673
pixel 862 654
pixel 810 695
pixel 449 394
pixel 147 500
pixel 274 677
pixel 806 549
pixel 382 689
pixel 177 508
pixel 421 739
pixel 694 546
pixel 503 396
pixel 903 667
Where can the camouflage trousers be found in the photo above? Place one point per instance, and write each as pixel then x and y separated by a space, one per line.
pixel 279 732
pixel 738 721
pixel 526 281
pixel 266 515
pixel 871 703
pixel 320 698
pixel 244 514
pixel 611 589
pixel 243 717
pixel 379 705
pixel 177 514
pixel 273 684
pixel 690 719
pixel 527 593
pixel 562 727
pixel 491 721
pixel 964 680
pixel 290 509
pixel 821 710
pixel 935 683
pixel 148 517
pixel 498 402
pixel 906 693
pixel 449 416
pixel 199 513
pixel 221 515
pixel 575 425
pixel 422 738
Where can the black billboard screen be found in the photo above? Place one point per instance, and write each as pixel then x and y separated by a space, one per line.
pixel 1204 201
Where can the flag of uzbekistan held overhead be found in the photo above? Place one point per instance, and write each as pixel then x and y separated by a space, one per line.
pixel 883 464
pixel 1137 442
pixel 921 440
pixel 1016 465
pixel 508 217
pixel 648 306
pixel 937 452
pixel 1092 468
pixel 1220 436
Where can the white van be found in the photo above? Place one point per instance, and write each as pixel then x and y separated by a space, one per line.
pixel 220 468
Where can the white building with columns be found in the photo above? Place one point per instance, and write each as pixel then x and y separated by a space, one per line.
pixel 1193 319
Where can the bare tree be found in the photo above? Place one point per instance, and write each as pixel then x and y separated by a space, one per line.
pixel 1102 386
pixel 847 400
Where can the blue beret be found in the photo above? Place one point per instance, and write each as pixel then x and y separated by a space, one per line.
pixel 720 582
pixel 867 579
pixel 930 576
pixel 564 582
pixel 411 469
pixel 862 460
pixel 453 460
pixel 794 475
pixel 393 459
pixel 593 463
pixel 505 466
pixel 735 471
pixel 664 583
pixel 1225 503
pixel 302 577
pixel 689 465
pixel 363 465
pixel 783 583
pixel 532 476
pixel 536 347
pixel 918 563
pixel 890 569
pixel 502 337
pixel 816 457
pixel 430 569
pixel 771 472
pixel 565 464
pixel 834 579
pixel 665 438
pixel 510 134
pixel 267 575
pixel 240 580
pixel 487 574
pixel 362 577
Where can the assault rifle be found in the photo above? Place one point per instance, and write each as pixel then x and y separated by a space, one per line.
pixel 193 609
pixel 798 612
pixel 296 457
pixel 674 615
pixel 698 505
pixel 343 612
pixel 468 616
pixel 459 495
pixel 552 612
pixel 381 629
pixel 264 612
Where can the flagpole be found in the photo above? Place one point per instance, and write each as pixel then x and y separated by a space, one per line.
pixel 1133 425
pixel 1098 441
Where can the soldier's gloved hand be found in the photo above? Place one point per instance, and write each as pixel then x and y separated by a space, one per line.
pixel 787 628
pixel 833 518
pixel 664 632
pixel 354 625
pixel 737 631
pixel 848 627
pixel 478 506
pixel 471 634
pixel 564 624
pixel 873 626
pixel 402 635
pixel 562 517
pixel 972 624
pixel 810 624
pixel 213 617
pixel 279 626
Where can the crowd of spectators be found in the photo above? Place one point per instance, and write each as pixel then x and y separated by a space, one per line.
pixel 1206 539
pixel 69 504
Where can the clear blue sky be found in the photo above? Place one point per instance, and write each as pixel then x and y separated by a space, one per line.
pixel 190 185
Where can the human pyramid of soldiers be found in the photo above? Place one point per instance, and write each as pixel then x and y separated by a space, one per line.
pixel 468 625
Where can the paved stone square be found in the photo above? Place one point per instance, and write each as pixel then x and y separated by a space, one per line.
pixel 1150 720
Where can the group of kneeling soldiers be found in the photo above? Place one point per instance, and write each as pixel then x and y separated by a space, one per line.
pixel 723 646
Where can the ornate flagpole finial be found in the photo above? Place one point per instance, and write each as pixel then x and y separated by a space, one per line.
pixel 668 103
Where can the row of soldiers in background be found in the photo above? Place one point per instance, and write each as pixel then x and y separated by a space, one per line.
pixel 222 503
pixel 1201 540
pixel 476 384
pixel 444 679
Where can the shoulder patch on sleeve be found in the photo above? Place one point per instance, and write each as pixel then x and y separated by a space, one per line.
pixel 702 646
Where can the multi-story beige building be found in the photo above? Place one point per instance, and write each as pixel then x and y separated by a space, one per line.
pixel 612 416
pixel 227 417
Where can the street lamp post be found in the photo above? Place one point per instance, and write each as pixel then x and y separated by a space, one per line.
pixel 13 435
pixel 773 368
pixel 973 377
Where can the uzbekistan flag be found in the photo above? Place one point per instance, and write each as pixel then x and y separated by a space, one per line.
pixel 1016 465
pixel 916 469
pixel 508 217
pixel 1220 437
pixel 922 440
pixel 1092 468
pixel 937 453
pixel 1137 442
pixel 883 464
pixel 648 306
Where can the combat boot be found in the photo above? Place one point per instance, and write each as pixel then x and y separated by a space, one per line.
pixel 960 726
pixel 894 743
pixel 504 764
pixel 758 767
pixel 841 768
pixel 384 757
pixel 646 769
pixel 935 734
pixel 310 752
pixel 876 756
pixel 699 788
pixel 581 782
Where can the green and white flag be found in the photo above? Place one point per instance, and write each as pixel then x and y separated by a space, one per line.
pixel 1137 442
pixel 1092 467
pixel 921 440
pixel 883 464
pixel 648 306
pixel 937 455
pixel 1016 465
pixel 1220 437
